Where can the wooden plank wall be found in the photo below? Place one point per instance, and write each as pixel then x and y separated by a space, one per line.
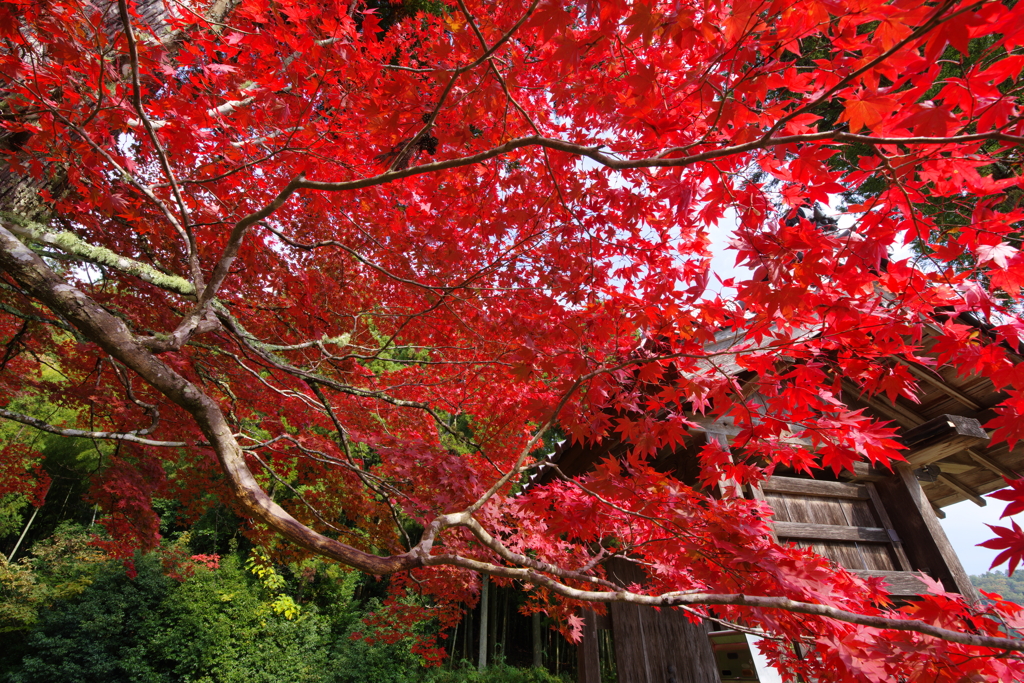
pixel 837 519
pixel 658 646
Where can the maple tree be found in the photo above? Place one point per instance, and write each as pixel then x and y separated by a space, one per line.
pixel 370 266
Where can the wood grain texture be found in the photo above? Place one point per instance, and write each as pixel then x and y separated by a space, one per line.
pixel 942 437
pixel 843 527
pixel 901 584
pixel 952 482
pixel 883 518
pixel 651 644
pixel 991 465
pixel 814 487
pixel 587 652
pixel 831 532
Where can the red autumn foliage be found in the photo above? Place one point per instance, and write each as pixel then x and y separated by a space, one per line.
pixel 369 260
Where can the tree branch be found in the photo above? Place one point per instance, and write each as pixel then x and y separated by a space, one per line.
pixel 129 437
pixel 594 153
pixel 73 245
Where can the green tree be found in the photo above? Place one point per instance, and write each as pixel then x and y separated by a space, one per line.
pixel 103 634
pixel 1010 587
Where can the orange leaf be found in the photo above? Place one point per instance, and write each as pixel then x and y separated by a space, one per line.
pixel 867 112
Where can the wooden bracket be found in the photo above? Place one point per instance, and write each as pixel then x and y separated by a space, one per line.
pixel 941 437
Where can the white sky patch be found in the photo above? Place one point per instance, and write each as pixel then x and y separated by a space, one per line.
pixel 965 527
pixel 723 259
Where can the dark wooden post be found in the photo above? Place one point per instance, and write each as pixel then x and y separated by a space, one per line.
pixel 492 625
pixel 653 646
pixel 587 654
pixel 482 660
pixel 924 540
pixel 538 648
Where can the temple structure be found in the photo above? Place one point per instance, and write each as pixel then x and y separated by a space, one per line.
pixel 875 522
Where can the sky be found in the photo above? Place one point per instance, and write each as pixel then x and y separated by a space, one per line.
pixel 965 527
pixel 965 521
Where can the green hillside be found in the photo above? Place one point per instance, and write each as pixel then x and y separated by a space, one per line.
pixel 1010 587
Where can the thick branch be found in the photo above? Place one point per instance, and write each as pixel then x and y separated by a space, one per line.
pixel 681 598
pixel 594 153
pixel 111 334
pixel 73 245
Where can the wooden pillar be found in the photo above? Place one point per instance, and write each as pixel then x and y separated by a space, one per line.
pixel 484 608
pixel 538 648
pixel 654 646
pixel 657 646
pixel 504 623
pixel 492 625
pixel 587 654
pixel 924 541
pixel 467 640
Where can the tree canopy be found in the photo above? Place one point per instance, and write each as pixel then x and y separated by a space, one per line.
pixel 351 268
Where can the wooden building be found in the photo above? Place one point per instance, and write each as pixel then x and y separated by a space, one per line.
pixel 876 522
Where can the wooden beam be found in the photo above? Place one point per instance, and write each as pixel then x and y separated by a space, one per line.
pixel 720 426
pixel 883 517
pixel 956 468
pixel 941 437
pixel 832 532
pixel 902 584
pixel 813 487
pixel 930 377
pixel 932 531
pixel 991 464
pixel 957 485
pixel 863 472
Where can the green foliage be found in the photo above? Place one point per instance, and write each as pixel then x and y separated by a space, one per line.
pixel 58 569
pixel 11 513
pixel 274 584
pixel 1010 587
pixel 81 618
pixel 356 660
pixel 218 627
pixel 213 628
pixel 69 463
pixel 214 532
pixel 500 673
pixel 101 635
pixel 68 614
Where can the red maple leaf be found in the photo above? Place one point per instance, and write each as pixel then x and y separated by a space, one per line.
pixel 1010 541
pixel 866 110
pixel 1014 495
